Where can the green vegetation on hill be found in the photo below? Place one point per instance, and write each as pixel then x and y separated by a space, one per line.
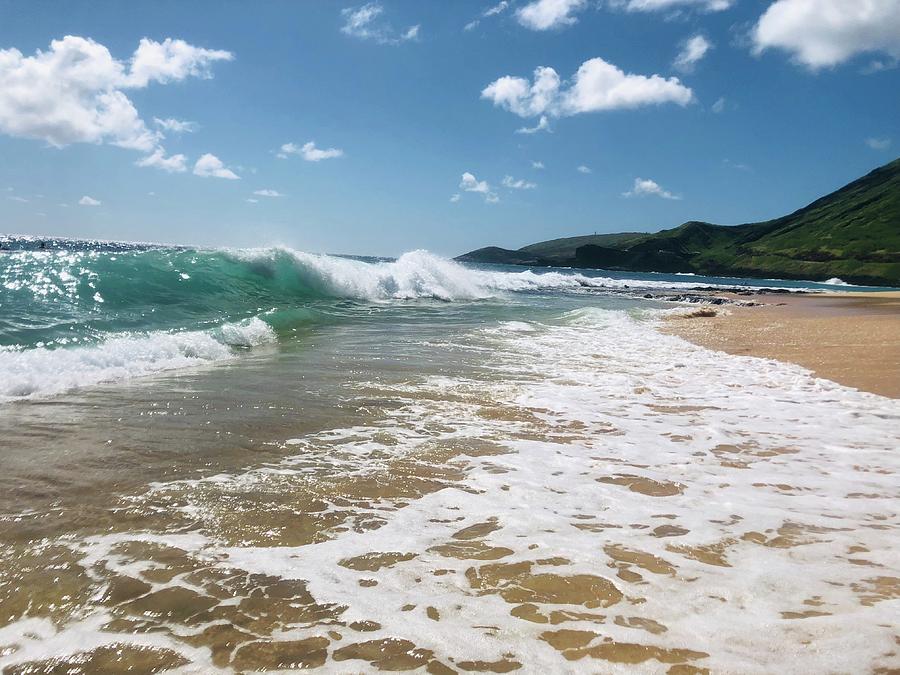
pixel 852 233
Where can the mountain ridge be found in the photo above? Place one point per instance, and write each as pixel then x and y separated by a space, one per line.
pixel 852 233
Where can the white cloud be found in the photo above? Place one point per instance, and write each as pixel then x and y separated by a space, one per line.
pixel 364 22
pixel 878 143
pixel 549 14
pixel 518 184
pixel 644 187
pixel 542 125
pixel 468 183
pixel 175 126
pixel 537 165
pixel 824 33
pixel 309 152
pixel 75 91
pixel 692 50
pixel 268 193
pixel 455 198
pixel 171 61
pixel 719 105
pixel 471 184
pixel 664 5
pixel 596 86
pixel 583 169
pixel 496 9
pixel 16 198
pixel 89 201
pixel 250 200
pixel 158 160
pixel 211 166
pixel 493 10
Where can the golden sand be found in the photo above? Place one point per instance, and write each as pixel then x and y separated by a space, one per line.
pixel 853 339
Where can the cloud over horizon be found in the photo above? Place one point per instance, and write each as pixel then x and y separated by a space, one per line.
pixel 75 92
pixel 468 183
pixel 596 86
pixel 825 33
pixel 644 187
pixel 667 5
pixel 549 14
pixel 692 51
pixel 309 152
pixel 210 166
pixel 365 23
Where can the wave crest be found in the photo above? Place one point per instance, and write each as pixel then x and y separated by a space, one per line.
pixel 40 372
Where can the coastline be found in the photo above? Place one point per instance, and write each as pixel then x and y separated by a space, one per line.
pixel 850 338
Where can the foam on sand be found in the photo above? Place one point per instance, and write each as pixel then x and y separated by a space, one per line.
pixel 602 496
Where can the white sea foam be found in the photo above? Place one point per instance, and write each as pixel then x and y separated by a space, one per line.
pixel 40 372
pixel 420 274
pixel 789 479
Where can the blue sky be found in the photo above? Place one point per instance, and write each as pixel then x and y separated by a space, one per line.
pixel 413 112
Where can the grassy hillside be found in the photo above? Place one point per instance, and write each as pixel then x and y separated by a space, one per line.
pixel 564 249
pixel 853 233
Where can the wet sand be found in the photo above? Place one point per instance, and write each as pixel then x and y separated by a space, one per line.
pixel 579 496
pixel 852 339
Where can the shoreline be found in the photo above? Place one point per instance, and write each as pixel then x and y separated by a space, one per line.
pixel 850 338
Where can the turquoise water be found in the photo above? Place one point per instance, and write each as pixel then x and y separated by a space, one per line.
pixel 76 313
pixel 222 461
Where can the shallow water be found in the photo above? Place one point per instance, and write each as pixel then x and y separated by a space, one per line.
pixel 477 473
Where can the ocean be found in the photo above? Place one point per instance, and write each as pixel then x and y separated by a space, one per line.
pixel 239 460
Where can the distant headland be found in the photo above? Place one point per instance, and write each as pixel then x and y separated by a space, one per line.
pixel 852 233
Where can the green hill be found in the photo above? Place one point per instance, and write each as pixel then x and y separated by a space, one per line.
pixel 852 233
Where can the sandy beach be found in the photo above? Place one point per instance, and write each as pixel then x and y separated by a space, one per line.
pixel 852 339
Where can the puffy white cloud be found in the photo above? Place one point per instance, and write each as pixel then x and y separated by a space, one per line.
pixel 823 33
pixel 309 152
pixel 664 5
pixel 471 184
pixel 468 183
pixel 596 86
pixel 455 197
pixel 250 200
pixel 878 143
pixel 692 50
pixel 524 98
pixel 16 198
pixel 175 126
pixel 537 165
pixel 89 201
pixel 158 160
pixel 644 187
pixel 211 166
pixel 549 14
pixel 599 85
pixel 364 22
pixel 719 105
pixel 542 125
pixel 517 184
pixel 171 61
pixel 583 169
pixel 75 91
pixel 268 193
